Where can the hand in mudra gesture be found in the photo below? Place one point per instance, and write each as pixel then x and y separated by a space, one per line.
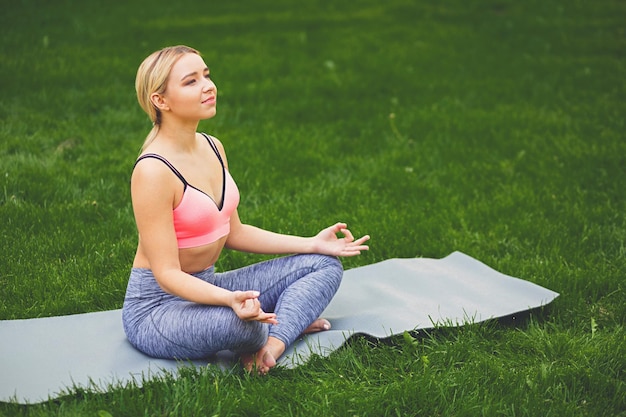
pixel 247 306
pixel 327 242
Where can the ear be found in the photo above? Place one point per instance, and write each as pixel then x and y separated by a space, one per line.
pixel 159 101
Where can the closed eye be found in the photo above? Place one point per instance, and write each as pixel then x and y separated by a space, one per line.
pixel 191 78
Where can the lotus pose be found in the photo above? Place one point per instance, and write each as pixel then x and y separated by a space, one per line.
pixel 185 205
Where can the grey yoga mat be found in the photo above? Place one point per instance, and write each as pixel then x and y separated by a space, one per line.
pixel 45 357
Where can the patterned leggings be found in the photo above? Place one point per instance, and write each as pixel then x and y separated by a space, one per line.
pixel 297 288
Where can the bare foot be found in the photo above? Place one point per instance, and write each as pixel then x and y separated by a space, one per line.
pixel 318 325
pixel 261 362
pixel 265 359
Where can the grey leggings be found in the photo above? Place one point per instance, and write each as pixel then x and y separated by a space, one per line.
pixel 297 288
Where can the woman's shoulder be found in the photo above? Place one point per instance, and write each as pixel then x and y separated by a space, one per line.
pixel 213 139
pixel 218 144
pixel 152 167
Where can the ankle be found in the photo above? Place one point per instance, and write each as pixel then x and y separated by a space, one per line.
pixel 275 346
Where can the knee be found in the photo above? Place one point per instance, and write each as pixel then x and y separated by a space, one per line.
pixel 325 262
pixel 325 268
pixel 334 262
pixel 331 268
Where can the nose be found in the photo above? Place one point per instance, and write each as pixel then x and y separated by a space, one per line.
pixel 209 85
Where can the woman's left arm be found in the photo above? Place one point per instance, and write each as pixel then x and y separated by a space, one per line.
pixel 247 238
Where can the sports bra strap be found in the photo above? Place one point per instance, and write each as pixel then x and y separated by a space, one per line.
pixel 219 157
pixel 166 162
pixel 214 147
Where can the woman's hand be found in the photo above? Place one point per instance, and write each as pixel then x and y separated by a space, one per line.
pixel 326 242
pixel 247 307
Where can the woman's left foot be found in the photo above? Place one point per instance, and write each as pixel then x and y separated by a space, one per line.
pixel 318 325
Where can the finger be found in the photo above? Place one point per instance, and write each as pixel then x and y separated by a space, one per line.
pixel 248 310
pixel 267 315
pixel 348 235
pixel 361 240
pixel 242 296
pixel 353 250
pixel 251 294
pixel 358 247
pixel 257 315
pixel 251 305
pixel 269 320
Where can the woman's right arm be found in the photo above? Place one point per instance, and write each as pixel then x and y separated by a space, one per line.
pixel 153 197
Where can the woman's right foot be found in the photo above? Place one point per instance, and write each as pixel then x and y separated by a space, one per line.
pixel 260 362
pixel 265 359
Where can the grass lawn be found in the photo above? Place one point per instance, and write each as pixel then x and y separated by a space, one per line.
pixel 495 128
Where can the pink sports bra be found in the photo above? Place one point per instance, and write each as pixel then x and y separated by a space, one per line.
pixel 198 219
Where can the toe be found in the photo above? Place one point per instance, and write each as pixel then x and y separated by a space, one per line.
pixel 318 325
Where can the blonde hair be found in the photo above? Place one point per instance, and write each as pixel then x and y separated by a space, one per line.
pixel 152 77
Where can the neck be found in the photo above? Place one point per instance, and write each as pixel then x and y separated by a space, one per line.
pixel 179 136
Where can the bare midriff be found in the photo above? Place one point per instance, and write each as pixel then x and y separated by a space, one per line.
pixel 191 259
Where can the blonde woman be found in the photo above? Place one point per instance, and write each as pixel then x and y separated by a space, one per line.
pixel 185 205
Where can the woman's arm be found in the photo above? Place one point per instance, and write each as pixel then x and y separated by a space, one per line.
pixel 247 238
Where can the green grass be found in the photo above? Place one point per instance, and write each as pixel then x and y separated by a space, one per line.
pixel 495 128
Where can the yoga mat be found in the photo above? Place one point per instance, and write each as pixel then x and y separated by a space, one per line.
pixel 45 357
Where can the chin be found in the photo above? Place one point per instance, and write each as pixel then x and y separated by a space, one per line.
pixel 209 115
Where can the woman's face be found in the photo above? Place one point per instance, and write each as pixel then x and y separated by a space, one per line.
pixel 190 93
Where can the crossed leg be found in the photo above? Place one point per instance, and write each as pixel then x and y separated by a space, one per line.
pixel 297 288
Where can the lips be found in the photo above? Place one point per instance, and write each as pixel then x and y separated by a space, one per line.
pixel 209 100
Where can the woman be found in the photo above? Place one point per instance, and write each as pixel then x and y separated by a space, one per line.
pixel 185 206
